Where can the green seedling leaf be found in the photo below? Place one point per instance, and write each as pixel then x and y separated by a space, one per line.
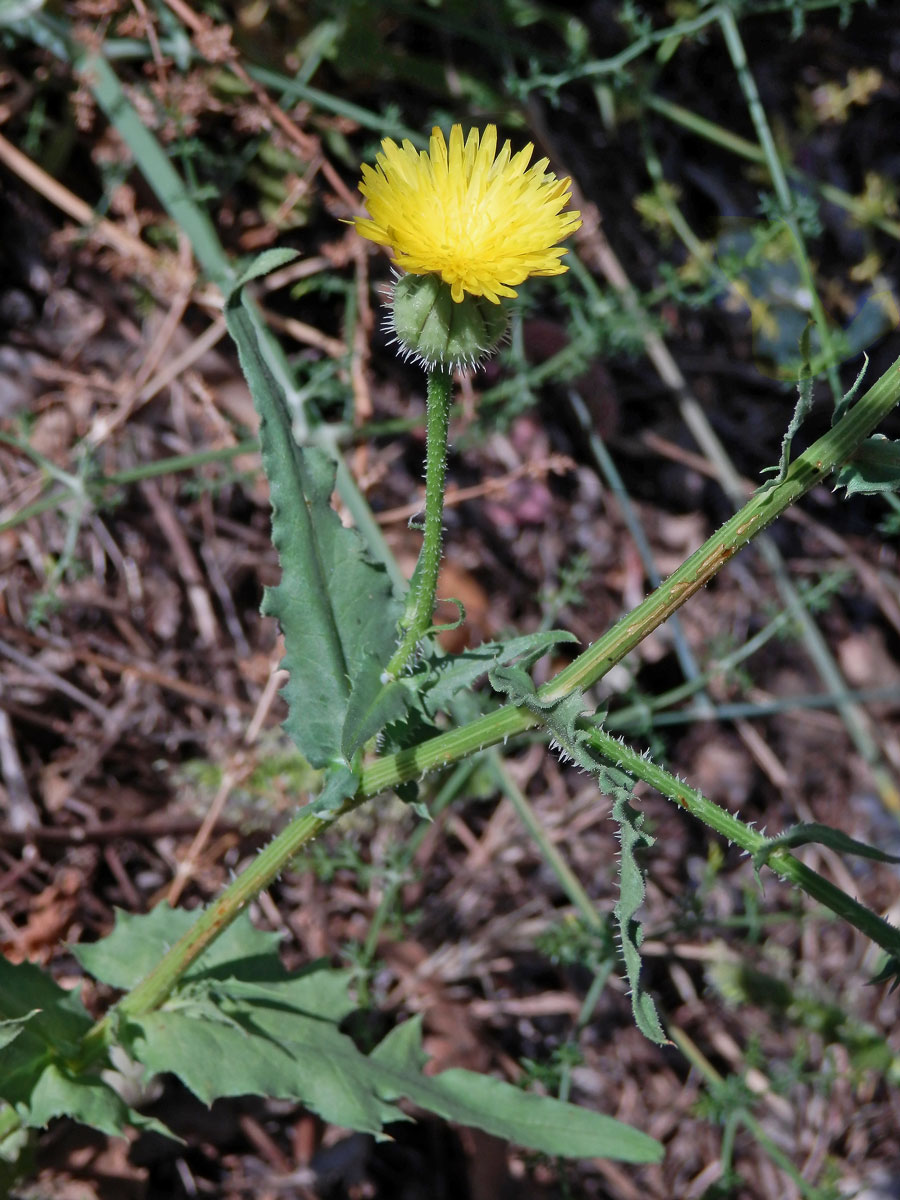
pixel 874 468
pixel 538 1122
pixel 632 836
pixel 822 835
pixel 335 606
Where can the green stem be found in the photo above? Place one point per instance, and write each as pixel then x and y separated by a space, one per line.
pixel 155 987
pixel 823 457
pixel 619 754
pixel 416 620
pixel 740 834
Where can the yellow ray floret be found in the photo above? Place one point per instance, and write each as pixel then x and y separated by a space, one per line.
pixel 483 221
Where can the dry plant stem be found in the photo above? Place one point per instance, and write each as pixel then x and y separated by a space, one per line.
pixel 416 620
pixel 823 457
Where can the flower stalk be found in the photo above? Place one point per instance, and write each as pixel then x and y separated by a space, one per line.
pixel 417 619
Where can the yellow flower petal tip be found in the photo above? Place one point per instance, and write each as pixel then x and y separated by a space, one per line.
pixel 483 221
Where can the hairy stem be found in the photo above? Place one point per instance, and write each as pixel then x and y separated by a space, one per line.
pixel 781 861
pixel 416 620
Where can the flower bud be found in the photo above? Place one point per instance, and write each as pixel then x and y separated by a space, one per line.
pixel 433 329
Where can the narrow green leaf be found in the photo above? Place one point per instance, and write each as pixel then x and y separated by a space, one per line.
pixel 822 835
pixel 266 263
pixel 631 896
pixel 335 606
pixel 538 1122
pixel 153 161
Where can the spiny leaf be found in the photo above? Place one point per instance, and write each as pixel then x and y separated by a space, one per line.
pixel 822 835
pixel 890 972
pixel 804 404
pixel 631 897
pixel 263 1050
pixel 560 717
pixel 340 784
pixel 367 715
pixel 335 606
pixel 84 1098
pixel 445 678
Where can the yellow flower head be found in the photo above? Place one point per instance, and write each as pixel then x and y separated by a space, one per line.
pixel 483 221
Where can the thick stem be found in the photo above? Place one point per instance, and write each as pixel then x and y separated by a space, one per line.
pixel 417 618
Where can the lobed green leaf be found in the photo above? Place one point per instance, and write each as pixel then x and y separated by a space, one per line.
pixel 237 1025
